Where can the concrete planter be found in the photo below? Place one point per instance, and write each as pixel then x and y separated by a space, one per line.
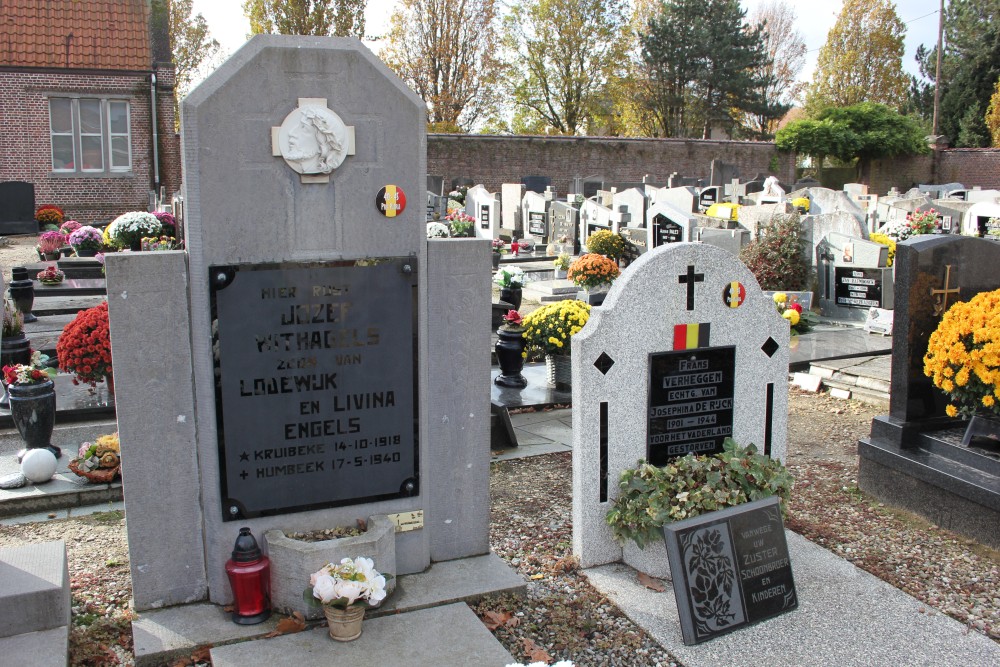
pixel 292 561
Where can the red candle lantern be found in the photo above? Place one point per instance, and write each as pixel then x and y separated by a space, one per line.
pixel 250 578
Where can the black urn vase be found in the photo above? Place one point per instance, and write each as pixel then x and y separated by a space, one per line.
pixel 509 350
pixel 33 410
pixel 511 295
pixel 13 350
pixel 22 292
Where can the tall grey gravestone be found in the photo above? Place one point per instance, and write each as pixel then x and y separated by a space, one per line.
pixel 299 390
pixel 706 358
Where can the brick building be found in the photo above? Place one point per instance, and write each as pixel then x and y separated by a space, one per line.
pixel 87 103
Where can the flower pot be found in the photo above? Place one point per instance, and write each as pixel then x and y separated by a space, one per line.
pixel 33 410
pixel 345 624
pixel 496 260
pixel 22 293
pixel 135 245
pixel 51 283
pixel 559 370
pixel 86 252
pixel 511 295
pixel 560 274
pixel 594 296
pixel 13 350
pixel 510 350
pixel 51 256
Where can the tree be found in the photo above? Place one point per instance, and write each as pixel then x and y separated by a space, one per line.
pixel 703 74
pixel 970 67
pixel 862 132
pixel 993 116
pixel 566 51
pixel 338 18
pixel 787 53
pixel 192 47
pixel 862 60
pixel 448 52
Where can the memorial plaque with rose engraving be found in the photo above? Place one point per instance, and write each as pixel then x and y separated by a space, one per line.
pixel 315 374
pixel 730 568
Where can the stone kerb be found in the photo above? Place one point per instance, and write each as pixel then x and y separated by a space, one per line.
pixel 638 319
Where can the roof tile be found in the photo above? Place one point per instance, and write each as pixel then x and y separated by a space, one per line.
pixel 100 34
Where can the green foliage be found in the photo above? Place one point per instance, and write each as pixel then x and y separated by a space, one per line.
pixel 702 74
pixel 862 60
pixel 566 52
pixel 607 243
pixel 338 18
pixel 192 47
pixel 817 138
pixel 650 497
pixel 777 259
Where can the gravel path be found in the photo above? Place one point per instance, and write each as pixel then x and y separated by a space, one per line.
pixel 563 617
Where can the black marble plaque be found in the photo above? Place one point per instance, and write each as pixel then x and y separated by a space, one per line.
pixel 666 231
pixel 563 220
pixel 708 196
pixel 636 243
pixel 536 223
pixel 858 288
pixel 730 568
pixel 690 402
pixel 484 216
pixel 315 375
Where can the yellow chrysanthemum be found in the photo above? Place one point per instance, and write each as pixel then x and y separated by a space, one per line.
pixel 988 400
pixel 792 316
pixel 780 297
pixel 951 410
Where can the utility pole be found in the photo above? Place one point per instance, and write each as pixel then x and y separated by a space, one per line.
pixel 937 69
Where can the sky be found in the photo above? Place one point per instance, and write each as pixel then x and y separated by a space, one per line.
pixel 228 24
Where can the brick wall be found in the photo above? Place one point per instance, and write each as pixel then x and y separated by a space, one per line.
pixel 25 152
pixel 970 167
pixel 494 160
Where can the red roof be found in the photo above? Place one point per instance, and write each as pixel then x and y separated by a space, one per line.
pixel 75 34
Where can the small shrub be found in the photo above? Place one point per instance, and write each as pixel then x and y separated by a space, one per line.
pixel 607 243
pixel 777 259
pixel 692 485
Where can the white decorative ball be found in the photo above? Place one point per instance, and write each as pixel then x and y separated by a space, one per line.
pixel 38 465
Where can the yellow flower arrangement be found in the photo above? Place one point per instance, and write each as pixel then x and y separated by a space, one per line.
pixel 593 270
pixel 548 330
pixel 886 241
pixel 801 203
pixel 963 356
pixel 606 242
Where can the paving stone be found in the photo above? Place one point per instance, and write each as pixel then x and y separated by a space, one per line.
pixel 45 648
pixel 34 588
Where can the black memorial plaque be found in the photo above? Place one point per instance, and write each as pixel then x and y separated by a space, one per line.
pixel 730 568
pixel 708 196
pixel 858 288
pixel 690 402
pixel 315 375
pixel 666 231
pixel 564 225
pixel 484 216
pixel 636 243
pixel 536 223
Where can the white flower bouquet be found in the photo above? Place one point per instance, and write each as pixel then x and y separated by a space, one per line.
pixel 129 228
pixel 436 230
pixel 510 277
pixel 346 583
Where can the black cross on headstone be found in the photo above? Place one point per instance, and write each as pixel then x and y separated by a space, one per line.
pixel 690 278
pixel 243 474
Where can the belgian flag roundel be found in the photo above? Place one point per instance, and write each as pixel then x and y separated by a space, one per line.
pixel 734 294
pixel 390 201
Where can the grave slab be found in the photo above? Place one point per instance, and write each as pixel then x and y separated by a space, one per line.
pixel 34 588
pixel 846 617
pixel 45 648
pixel 450 636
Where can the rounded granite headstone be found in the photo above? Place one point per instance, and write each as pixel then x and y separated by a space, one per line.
pixel 38 465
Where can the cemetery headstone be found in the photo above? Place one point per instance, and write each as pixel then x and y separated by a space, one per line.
pixel 435 184
pixel 976 221
pixel 510 208
pixel 564 227
pixel 669 224
pixel 593 217
pixel 684 197
pixel 17 208
pixel 976 196
pixel 706 358
pixel 708 196
pixel 313 411
pixel 730 240
pixel 630 204
pixel 482 206
pixel 721 173
pixel 730 569
pixel 853 277
pixel 533 216
pixel 536 183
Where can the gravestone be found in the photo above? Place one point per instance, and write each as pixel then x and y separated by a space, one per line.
pixel 631 207
pixel 17 208
pixel 565 227
pixel 977 218
pixel 483 207
pixel 303 391
pixel 721 173
pixel 683 198
pixel 730 240
pixel 435 184
pixel 937 191
pixel 533 217
pixel 668 224
pixel 816 227
pixel 755 217
pixel 510 208
pixel 914 457
pixel 853 277
pixel 706 357
pixel 976 195
pixel 708 196
pixel 536 183
pixel 855 189
pixel 594 217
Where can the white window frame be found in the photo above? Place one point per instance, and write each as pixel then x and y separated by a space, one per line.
pixel 106 135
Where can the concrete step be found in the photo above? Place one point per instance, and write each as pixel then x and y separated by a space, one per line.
pixel 447 636
pixel 34 605
pixel 550 290
pixel 163 634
